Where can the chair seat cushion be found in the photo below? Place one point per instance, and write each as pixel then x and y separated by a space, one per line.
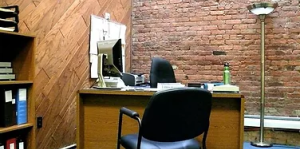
pixel 130 142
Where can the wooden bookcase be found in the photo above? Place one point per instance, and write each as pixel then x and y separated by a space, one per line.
pixel 20 50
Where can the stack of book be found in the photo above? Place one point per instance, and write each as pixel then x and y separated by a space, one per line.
pixel 6 71
pixel 9 18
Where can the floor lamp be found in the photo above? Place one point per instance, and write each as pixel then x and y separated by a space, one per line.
pixel 262 9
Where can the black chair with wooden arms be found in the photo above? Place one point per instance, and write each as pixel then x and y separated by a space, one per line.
pixel 171 120
pixel 161 72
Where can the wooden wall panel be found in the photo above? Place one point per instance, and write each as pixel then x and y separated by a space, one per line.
pixel 62 62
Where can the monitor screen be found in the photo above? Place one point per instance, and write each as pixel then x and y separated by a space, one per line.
pixel 112 57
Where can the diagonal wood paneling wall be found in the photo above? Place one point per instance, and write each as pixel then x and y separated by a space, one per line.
pixel 62 62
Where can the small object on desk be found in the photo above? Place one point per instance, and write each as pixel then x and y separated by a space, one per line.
pixel 226 74
pixel 107 88
pixel 226 88
pixel 133 79
pixel 162 86
pixel 199 85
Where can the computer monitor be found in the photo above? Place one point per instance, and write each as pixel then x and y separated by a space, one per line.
pixel 112 56
pixel 109 60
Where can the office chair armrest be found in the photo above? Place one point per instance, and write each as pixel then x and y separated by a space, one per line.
pixel 129 112
pixel 133 115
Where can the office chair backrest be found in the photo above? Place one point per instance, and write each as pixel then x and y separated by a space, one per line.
pixel 177 114
pixel 161 72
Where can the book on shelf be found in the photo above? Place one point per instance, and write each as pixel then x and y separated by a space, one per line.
pixel 14 107
pixel 2 144
pixel 20 142
pixel 5 64
pixel 6 70
pixel 4 77
pixel 21 104
pixel 6 107
pixel 11 143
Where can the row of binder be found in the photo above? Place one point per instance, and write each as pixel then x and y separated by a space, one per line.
pixel 12 143
pixel 9 18
pixel 13 106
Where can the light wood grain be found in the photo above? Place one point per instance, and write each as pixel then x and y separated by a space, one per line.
pixel 98 110
pixel 62 68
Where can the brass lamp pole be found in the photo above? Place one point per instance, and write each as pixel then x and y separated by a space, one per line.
pixel 262 9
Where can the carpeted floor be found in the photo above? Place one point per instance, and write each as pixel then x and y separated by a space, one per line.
pixel 247 145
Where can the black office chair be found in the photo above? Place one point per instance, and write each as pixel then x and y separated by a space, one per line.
pixel 171 120
pixel 161 72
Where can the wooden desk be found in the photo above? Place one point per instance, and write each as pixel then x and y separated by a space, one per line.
pixel 98 113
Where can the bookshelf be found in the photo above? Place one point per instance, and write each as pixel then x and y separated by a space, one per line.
pixel 20 50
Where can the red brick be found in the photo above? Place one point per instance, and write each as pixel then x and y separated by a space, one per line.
pixel 175 1
pixel 209 18
pixel 210 27
pixel 234 22
pixel 216 12
pixel 217 42
pixel 218 32
pixel 240 26
pixel 203 32
pixel 225 27
pixel 187 31
pixel 224 17
pixel 217 22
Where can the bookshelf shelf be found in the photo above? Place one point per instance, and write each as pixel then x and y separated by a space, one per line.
pixel 15 82
pixel 16 34
pixel 14 128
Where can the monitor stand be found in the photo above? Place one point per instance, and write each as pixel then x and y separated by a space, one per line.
pixel 111 82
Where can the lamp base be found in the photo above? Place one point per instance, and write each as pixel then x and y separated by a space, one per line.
pixel 261 144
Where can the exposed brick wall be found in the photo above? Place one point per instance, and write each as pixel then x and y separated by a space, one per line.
pixel 186 32
pixel 274 136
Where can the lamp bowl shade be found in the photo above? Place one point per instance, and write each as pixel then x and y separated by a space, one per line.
pixel 262 8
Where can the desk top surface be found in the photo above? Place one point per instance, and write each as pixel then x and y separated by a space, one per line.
pixel 92 91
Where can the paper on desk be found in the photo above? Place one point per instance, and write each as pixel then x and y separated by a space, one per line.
pixel 162 86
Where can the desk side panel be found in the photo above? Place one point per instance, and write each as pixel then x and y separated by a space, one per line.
pixel 225 123
pixel 79 121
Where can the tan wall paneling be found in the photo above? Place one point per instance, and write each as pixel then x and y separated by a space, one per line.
pixel 62 63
